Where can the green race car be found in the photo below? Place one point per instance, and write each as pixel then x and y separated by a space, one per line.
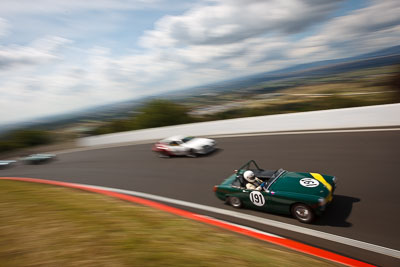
pixel 302 195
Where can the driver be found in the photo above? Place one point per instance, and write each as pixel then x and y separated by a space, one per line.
pixel 254 183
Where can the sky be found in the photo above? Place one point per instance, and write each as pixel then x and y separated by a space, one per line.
pixel 60 56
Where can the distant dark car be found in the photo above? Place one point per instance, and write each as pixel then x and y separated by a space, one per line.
pixel 7 163
pixel 300 194
pixel 38 158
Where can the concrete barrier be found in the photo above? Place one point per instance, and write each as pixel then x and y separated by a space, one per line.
pixel 360 117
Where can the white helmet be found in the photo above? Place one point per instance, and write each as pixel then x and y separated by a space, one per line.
pixel 249 176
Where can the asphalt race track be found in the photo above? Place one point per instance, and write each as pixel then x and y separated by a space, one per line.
pixel 365 205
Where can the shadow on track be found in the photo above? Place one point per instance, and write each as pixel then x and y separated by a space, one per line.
pixel 338 212
pixel 211 154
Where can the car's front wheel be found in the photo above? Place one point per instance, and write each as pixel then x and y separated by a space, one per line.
pixel 192 153
pixel 235 202
pixel 303 213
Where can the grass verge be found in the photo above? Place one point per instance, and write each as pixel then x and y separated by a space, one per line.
pixel 42 225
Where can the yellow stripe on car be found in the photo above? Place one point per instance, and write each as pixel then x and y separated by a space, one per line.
pixel 320 178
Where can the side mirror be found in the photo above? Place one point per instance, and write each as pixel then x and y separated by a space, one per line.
pixel 235 171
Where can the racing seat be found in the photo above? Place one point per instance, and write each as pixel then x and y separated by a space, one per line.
pixel 242 181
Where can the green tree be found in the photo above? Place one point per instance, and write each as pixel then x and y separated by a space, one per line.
pixel 395 85
pixel 25 138
pixel 159 113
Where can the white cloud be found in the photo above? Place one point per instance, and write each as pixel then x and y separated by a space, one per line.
pixel 213 41
pixel 230 21
pixel 364 30
pixel 59 6
pixel 3 27
pixel 39 52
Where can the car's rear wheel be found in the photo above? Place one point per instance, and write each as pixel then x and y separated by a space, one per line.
pixel 163 154
pixel 235 202
pixel 303 213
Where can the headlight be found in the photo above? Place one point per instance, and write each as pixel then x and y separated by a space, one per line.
pixel 322 201
pixel 334 180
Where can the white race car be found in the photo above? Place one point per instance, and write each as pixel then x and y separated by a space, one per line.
pixel 184 146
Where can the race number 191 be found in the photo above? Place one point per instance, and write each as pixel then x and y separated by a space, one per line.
pixel 257 198
pixel 309 182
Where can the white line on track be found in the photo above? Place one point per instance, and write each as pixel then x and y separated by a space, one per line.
pixel 294 228
pixel 242 226
pixel 310 132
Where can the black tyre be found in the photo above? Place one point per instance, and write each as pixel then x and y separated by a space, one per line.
pixel 192 153
pixel 235 202
pixel 163 154
pixel 303 213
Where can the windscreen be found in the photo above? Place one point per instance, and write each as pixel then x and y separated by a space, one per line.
pixel 187 139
